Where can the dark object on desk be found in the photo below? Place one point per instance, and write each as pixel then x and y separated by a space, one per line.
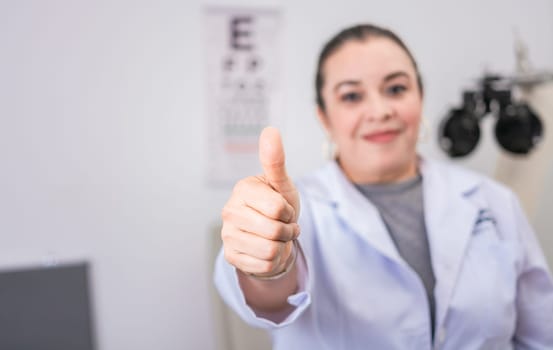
pixel 46 308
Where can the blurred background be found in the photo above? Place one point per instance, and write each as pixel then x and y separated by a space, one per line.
pixel 104 137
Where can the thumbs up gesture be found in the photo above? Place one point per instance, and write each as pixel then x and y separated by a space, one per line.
pixel 260 218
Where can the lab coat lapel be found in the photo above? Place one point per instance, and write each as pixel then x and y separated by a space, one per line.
pixel 360 215
pixel 450 219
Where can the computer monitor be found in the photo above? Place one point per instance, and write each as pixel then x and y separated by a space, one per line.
pixel 46 308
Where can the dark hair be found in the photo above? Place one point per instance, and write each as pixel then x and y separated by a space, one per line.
pixel 359 33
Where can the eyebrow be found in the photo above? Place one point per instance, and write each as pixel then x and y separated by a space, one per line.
pixel 394 75
pixel 387 78
pixel 346 82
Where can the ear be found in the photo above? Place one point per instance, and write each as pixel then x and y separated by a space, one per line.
pixel 323 119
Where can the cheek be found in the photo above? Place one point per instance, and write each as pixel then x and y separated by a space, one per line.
pixel 342 124
pixel 410 115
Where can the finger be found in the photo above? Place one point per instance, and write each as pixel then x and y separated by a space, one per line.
pixel 256 246
pixel 250 264
pixel 250 220
pixel 271 156
pixel 255 193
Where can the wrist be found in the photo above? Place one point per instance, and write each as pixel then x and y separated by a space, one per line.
pixel 290 263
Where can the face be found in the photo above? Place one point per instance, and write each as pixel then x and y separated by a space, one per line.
pixel 372 110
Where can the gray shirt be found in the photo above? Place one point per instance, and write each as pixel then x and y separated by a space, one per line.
pixel 402 210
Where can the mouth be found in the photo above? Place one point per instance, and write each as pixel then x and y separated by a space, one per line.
pixel 384 136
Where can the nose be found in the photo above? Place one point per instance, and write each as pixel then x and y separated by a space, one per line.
pixel 377 108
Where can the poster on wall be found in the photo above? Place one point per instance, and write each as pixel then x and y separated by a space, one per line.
pixel 242 68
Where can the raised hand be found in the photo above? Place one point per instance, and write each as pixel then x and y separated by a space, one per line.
pixel 260 218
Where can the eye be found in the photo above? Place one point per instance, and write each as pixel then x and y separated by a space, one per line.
pixel 396 89
pixel 351 97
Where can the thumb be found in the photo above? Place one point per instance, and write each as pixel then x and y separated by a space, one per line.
pixel 271 156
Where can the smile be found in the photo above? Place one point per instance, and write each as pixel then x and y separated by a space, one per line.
pixel 381 137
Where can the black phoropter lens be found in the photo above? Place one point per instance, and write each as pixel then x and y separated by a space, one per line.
pixel 460 133
pixel 518 129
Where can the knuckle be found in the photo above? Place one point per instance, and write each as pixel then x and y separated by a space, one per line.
pixel 268 266
pixel 276 209
pixel 225 234
pixel 230 236
pixel 274 231
pixel 243 185
pixel 239 186
pixel 229 257
pixel 272 250
pixel 230 213
pixel 226 213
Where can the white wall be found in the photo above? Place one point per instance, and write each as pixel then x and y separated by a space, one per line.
pixel 102 125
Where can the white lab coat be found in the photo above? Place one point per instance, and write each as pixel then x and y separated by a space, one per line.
pixel 493 287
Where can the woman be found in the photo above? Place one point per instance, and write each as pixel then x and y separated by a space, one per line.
pixel 390 251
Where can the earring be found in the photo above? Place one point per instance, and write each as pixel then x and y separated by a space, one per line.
pixel 424 130
pixel 329 149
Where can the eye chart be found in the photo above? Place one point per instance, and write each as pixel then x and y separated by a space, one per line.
pixel 242 56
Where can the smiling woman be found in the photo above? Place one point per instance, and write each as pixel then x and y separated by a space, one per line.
pixel 370 101
pixel 387 249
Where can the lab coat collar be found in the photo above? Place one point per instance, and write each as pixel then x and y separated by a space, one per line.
pixel 449 217
pixel 359 214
